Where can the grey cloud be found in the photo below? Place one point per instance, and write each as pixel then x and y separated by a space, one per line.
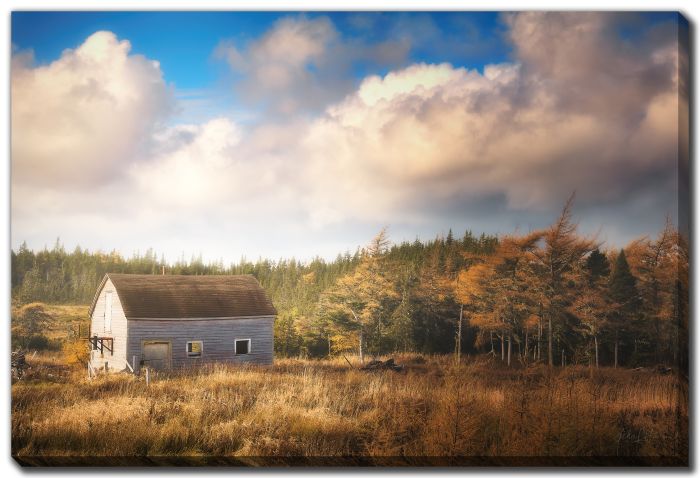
pixel 585 110
pixel 587 66
pixel 302 64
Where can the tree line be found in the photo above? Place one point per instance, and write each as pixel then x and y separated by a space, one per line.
pixel 556 298
pixel 550 296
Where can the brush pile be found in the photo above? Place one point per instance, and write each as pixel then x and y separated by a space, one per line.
pixel 19 364
pixel 386 365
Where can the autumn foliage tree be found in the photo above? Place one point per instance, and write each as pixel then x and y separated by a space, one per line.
pixel 591 306
pixel 555 261
pixel 658 265
pixel 549 296
pixel 498 292
pixel 360 303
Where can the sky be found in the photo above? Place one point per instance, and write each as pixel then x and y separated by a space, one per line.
pixel 280 134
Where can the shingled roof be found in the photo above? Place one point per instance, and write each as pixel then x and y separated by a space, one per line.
pixel 181 297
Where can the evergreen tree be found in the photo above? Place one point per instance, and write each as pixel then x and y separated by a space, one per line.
pixel 597 265
pixel 625 299
pixel 550 287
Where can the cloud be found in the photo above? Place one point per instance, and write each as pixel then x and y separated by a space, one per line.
pixel 302 64
pixel 581 110
pixel 197 167
pixel 579 107
pixel 590 67
pixel 79 119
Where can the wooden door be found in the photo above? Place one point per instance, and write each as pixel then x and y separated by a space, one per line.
pixel 156 355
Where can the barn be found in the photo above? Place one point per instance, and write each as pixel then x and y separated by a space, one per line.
pixel 169 322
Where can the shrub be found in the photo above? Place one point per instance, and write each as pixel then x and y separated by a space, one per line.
pixel 76 352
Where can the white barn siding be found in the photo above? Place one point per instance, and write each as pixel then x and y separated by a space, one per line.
pixel 118 332
pixel 217 336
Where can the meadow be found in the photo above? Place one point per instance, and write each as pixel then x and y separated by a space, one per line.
pixel 325 412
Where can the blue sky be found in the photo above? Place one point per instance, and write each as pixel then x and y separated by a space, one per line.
pixel 184 42
pixel 204 131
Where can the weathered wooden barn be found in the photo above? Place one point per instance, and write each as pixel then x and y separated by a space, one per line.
pixel 170 321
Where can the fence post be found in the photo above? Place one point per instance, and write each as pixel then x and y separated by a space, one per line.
pixel 133 364
pixel 147 377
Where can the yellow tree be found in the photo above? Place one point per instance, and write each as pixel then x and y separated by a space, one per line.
pixel 656 264
pixel 474 292
pixel 556 260
pixel 361 303
pixel 681 298
pixel 590 306
pixel 434 307
pixel 499 291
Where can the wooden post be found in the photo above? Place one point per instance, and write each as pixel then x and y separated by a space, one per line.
pixel 526 350
pixel 362 351
pixel 346 359
pixel 133 364
pixel 550 354
pixel 459 334
pixel 510 346
pixel 147 377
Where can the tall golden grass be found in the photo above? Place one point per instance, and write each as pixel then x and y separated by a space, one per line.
pixel 302 408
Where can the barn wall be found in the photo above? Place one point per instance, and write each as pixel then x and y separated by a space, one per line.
pixel 118 332
pixel 217 335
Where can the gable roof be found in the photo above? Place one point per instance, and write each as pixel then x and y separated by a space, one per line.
pixel 180 296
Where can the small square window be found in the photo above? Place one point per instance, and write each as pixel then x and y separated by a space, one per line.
pixel 194 348
pixel 242 346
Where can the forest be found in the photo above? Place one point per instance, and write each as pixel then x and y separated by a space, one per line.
pixel 549 296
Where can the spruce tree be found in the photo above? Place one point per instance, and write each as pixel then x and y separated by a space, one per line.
pixel 597 265
pixel 625 298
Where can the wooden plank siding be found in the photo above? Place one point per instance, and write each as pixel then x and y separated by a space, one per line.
pixel 218 336
pixel 118 330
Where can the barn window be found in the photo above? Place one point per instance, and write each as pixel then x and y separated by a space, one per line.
pixel 242 346
pixel 194 348
pixel 108 312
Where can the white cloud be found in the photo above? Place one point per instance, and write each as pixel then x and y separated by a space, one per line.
pixel 578 108
pixel 277 68
pixel 201 170
pixel 79 119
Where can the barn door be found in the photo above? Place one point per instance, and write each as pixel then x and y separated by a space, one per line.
pixel 156 355
pixel 108 311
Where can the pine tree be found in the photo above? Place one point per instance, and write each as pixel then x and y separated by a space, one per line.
pixel 597 265
pixel 625 298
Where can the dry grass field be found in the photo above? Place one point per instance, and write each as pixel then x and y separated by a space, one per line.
pixel 298 411
pixel 66 317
